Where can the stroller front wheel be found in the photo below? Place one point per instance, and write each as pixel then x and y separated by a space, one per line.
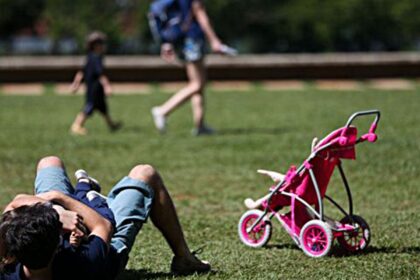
pixel 358 240
pixel 316 239
pixel 260 235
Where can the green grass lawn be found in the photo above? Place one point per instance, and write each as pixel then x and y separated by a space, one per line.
pixel 209 177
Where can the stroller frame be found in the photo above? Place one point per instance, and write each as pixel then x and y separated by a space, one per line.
pixel 351 223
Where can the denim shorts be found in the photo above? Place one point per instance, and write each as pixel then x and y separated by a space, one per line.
pixel 130 201
pixel 190 49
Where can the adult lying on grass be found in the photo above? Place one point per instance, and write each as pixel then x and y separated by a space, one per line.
pixel 31 246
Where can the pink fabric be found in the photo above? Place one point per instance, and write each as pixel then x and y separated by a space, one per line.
pixel 323 165
pixel 339 149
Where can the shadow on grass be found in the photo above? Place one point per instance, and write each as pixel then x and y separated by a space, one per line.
pixel 143 274
pixel 252 130
pixel 290 246
pixel 135 274
pixel 131 129
pixel 415 250
pixel 340 252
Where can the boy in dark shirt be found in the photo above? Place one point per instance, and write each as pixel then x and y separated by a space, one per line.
pixel 97 85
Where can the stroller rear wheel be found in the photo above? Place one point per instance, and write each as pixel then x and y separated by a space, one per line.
pixel 260 235
pixel 316 238
pixel 357 240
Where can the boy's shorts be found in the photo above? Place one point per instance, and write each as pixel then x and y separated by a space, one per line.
pixel 91 107
pixel 95 99
pixel 130 201
pixel 190 49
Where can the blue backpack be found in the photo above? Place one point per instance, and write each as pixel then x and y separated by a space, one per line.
pixel 169 20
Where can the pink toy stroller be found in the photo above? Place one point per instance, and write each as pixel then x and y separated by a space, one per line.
pixel 303 189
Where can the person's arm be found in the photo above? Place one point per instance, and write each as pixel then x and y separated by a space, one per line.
pixel 76 81
pixel 203 20
pixel 71 220
pixel 95 223
pixel 106 85
pixel 21 200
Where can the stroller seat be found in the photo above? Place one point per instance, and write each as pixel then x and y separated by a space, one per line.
pixel 322 164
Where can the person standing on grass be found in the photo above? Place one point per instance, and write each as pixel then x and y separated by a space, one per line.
pixel 97 85
pixel 31 246
pixel 183 34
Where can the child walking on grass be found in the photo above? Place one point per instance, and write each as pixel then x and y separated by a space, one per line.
pixel 97 85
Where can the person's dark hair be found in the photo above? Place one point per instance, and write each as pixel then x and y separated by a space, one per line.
pixel 95 38
pixel 31 234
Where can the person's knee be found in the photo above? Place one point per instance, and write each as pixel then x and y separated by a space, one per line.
pixel 145 173
pixel 50 161
pixel 196 86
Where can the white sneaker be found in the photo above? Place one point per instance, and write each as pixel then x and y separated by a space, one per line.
pixel 159 119
pixel 83 175
pixel 91 195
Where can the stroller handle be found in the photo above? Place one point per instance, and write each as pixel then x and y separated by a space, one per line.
pixel 370 136
pixel 364 113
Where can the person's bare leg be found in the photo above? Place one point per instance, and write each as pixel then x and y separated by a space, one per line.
pixel 165 218
pixel 78 125
pixel 163 213
pixel 112 125
pixel 195 84
pixel 198 100
pixel 49 161
pixel 197 104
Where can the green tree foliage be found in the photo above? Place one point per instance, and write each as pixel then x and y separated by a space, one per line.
pixel 77 18
pixel 318 25
pixel 250 25
pixel 18 14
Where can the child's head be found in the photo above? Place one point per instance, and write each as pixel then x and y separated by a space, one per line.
pixel 96 42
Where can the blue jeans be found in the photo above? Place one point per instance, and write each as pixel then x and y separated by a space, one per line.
pixel 130 200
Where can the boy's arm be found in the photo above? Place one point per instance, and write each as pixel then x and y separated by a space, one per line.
pixel 200 14
pixel 95 223
pixel 106 84
pixel 76 81
pixel 71 220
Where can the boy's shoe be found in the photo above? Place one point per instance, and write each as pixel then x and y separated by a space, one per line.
pixel 204 130
pixel 116 126
pixel 91 195
pixel 78 130
pixel 158 119
pixel 184 266
pixel 82 175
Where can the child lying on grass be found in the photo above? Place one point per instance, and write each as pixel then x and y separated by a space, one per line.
pixel 88 191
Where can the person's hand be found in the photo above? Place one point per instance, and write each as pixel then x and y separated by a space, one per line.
pixel 72 221
pixel 75 239
pixel 216 46
pixel 108 90
pixel 74 87
pixel 167 52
